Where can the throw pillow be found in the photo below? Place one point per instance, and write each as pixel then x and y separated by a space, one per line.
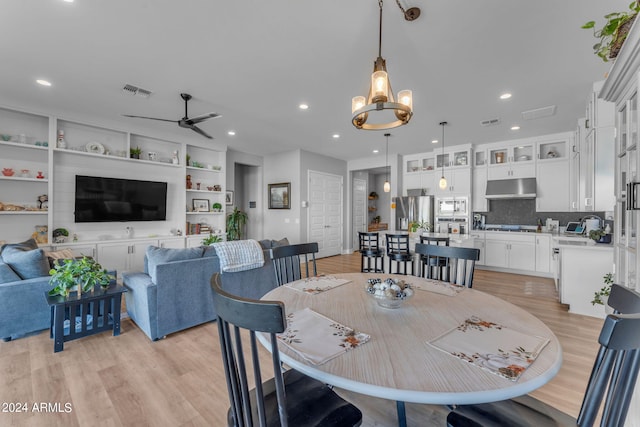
pixel 282 242
pixel 27 264
pixel 52 256
pixel 7 274
pixel 209 252
pixel 266 244
pixel 27 245
pixel 156 255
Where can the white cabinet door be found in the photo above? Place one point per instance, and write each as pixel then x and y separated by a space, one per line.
pixel 523 170
pixel 114 256
pixel 553 186
pixel 543 254
pixel 194 242
pixel 136 255
pixel 499 172
pixel 79 250
pixel 522 255
pixel 495 254
pixel 177 243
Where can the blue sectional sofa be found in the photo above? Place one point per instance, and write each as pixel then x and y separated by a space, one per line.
pixel 174 292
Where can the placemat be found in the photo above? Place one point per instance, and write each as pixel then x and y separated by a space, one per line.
pixel 317 284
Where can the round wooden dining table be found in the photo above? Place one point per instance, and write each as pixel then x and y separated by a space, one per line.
pixel 397 363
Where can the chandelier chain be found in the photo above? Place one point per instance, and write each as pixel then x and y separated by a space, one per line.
pixel 400 6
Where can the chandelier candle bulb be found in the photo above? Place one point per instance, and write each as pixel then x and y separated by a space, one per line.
pixel 380 85
pixel 357 103
pixel 406 97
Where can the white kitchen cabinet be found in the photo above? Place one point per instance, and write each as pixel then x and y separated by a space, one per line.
pixel 511 159
pixel 543 253
pixel 125 255
pixel 458 182
pixel 419 180
pixel 552 180
pixel 173 243
pixel 512 170
pixel 194 241
pixel 514 251
pixel 78 249
pixel 597 171
pixel 479 190
pixel 460 156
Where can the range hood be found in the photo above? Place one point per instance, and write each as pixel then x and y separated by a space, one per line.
pixel 517 188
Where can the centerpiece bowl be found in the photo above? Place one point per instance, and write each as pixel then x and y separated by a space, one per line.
pixel 389 293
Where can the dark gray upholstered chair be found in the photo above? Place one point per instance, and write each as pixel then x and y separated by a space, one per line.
pixel 287 261
pixel 290 398
pixel 369 248
pixel 398 251
pixel 615 372
pixel 447 263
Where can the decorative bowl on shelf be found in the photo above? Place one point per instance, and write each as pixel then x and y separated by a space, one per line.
pixel 389 293
pixel 8 171
pixel 5 137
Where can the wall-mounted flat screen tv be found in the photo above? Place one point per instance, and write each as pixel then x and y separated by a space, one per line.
pixel 100 199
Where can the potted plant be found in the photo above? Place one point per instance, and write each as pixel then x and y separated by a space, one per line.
pixel 211 238
pixel 600 236
pixel 601 296
pixel 134 153
pixel 217 207
pixel 236 221
pixel 614 32
pixel 71 273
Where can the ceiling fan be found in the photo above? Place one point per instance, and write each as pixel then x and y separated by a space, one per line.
pixel 186 122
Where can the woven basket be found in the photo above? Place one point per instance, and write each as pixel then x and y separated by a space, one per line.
pixel 620 37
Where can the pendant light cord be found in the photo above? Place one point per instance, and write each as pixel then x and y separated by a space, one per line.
pixel 443 125
pixel 380 31
pixel 387 154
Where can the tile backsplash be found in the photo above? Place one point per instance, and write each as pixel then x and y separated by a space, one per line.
pixel 523 212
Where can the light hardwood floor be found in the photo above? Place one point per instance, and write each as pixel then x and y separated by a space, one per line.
pixel 131 381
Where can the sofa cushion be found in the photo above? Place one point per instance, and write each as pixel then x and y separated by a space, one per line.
pixel 7 274
pixel 156 255
pixel 27 264
pixel 27 245
pixel 266 243
pixel 62 254
pixel 209 252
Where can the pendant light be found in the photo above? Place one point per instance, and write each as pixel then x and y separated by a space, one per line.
pixel 380 102
pixel 387 185
pixel 443 181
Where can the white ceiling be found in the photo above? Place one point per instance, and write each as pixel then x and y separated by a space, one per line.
pixel 255 61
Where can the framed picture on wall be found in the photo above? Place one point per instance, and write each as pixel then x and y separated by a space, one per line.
pixel 279 195
pixel 228 197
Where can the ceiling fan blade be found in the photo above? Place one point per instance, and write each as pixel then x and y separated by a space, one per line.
pixel 201 118
pixel 201 132
pixel 150 118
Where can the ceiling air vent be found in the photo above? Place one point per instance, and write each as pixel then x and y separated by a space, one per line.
pixel 136 91
pixel 539 113
pixel 490 122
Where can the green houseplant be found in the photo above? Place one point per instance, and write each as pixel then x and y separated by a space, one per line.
pixel 236 221
pixel 217 207
pixel 211 238
pixel 614 32
pixel 84 272
pixel 134 153
pixel 601 296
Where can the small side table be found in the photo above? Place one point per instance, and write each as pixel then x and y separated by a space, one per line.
pixel 93 312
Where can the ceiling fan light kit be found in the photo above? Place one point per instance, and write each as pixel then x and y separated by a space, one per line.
pixel 185 122
pixel 389 112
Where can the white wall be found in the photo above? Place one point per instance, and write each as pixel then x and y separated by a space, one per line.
pixel 279 223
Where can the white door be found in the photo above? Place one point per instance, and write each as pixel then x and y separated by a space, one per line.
pixel 325 212
pixel 359 209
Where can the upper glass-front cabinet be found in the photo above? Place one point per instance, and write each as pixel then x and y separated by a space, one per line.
pixel 553 150
pixel 511 154
pixel 455 158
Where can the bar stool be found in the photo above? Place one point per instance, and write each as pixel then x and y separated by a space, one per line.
pixel 426 262
pixel 398 251
pixel 370 249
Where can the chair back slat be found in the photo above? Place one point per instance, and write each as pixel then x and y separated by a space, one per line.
pixel 368 241
pixel 287 261
pixel 397 244
pixel 447 263
pixel 431 240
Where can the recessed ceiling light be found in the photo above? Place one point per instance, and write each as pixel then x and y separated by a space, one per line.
pixel 231 132
pixel 68 1
pixel 515 127
pixel 303 106
pixel 43 82
pixel 376 151
pixel 336 135
pixel 505 96
pixel 434 141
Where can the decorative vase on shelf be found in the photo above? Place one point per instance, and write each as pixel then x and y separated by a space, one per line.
pixel 61 142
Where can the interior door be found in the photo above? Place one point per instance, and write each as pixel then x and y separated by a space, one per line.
pixel 359 219
pixel 325 212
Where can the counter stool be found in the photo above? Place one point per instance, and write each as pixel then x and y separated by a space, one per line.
pixel 398 251
pixel 426 262
pixel 370 249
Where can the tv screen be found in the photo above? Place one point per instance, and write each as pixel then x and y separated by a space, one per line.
pixel 100 199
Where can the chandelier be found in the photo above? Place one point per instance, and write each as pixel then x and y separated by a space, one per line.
pixel 389 113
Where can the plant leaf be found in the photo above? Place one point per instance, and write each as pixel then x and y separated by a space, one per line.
pixel 589 24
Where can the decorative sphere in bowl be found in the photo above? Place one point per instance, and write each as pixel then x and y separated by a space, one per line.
pixel 389 293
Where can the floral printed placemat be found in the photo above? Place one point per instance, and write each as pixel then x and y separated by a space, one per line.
pixel 317 284
pixel 439 287
pixel 317 338
pixel 492 347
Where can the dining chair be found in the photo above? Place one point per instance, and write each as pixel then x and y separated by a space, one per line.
pixel 615 371
pixel 398 251
pixel 431 240
pixel 370 249
pixel 287 261
pixel 448 263
pixel 290 398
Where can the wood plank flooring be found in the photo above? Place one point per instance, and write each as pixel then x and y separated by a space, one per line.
pixel 130 381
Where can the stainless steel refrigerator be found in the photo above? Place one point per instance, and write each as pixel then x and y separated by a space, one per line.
pixel 414 208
